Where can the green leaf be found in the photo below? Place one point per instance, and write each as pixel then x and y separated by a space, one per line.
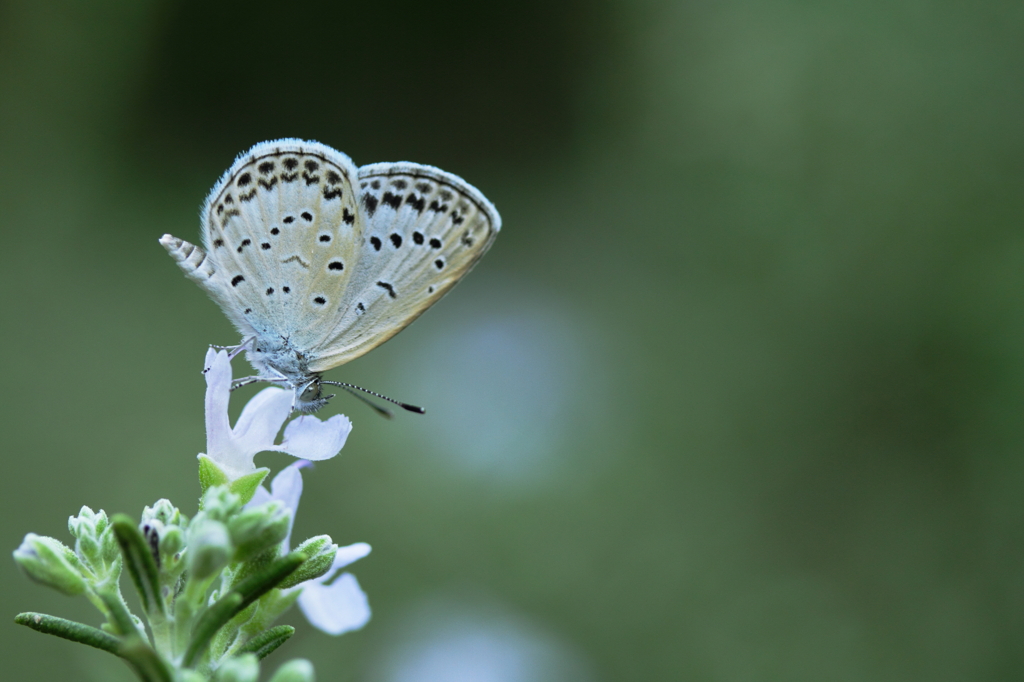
pixel 210 474
pixel 206 627
pixel 69 629
pixel 239 597
pixel 140 562
pixel 266 642
pixel 258 584
pixel 245 487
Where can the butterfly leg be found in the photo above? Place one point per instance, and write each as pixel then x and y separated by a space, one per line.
pixel 235 350
pixel 246 381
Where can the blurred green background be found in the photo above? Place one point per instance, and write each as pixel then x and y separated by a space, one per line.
pixel 737 395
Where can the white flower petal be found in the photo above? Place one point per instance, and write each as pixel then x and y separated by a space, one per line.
pixel 309 438
pixel 261 419
pixel 218 389
pixel 336 608
pixel 287 488
pixel 347 555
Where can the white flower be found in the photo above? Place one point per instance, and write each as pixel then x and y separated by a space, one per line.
pixel 232 450
pixel 336 608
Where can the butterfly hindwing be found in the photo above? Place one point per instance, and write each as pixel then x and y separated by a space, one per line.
pixel 423 230
pixel 282 227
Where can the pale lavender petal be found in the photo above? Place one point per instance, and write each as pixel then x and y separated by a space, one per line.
pixel 287 487
pixel 347 555
pixel 309 438
pixel 218 389
pixel 261 419
pixel 336 608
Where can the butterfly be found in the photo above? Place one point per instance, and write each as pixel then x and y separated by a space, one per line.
pixel 317 262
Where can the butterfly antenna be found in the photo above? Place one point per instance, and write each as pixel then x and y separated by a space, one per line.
pixel 382 411
pixel 347 387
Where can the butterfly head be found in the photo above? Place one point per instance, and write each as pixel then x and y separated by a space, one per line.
pixel 309 397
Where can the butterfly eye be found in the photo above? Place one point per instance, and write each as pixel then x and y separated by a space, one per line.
pixel 311 392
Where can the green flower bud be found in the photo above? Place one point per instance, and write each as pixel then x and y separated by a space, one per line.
pixel 88 522
pixel 256 530
pixel 172 540
pixel 51 563
pixel 95 543
pixel 245 668
pixel 219 503
pixel 209 547
pixel 320 551
pixel 298 670
pixel 164 512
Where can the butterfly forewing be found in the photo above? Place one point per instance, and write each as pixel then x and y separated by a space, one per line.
pixel 282 226
pixel 423 229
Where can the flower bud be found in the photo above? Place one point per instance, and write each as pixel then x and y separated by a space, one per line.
pixel 258 529
pixel 219 503
pixel 245 668
pixel 320 551
pixel 51 563
pixel 299 670
pixel 164 512
pixel 209 547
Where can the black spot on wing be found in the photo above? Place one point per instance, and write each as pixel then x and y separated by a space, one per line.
pixel 244 179
pixel 438 207
pixel 388 288
pixel 332 192
pixel 435 243
pixel 218 243
pixel 399 183
pixel 319 300
pixel 396 239
pixel 266 167
pixel 370 202
pixel 236 280
pixel 417 237
pixel 307 216
pixel 288 219
pixel 392 200
pixel 348 217
pixel 333 177
pixel 376 243
pixel 248 196
pixel 245 243
pixel 419 203
pixel 268 184
pixel 275 231
pixel 336 265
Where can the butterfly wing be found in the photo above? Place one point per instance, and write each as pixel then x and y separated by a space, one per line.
pixel 423 230
pixel 282 233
